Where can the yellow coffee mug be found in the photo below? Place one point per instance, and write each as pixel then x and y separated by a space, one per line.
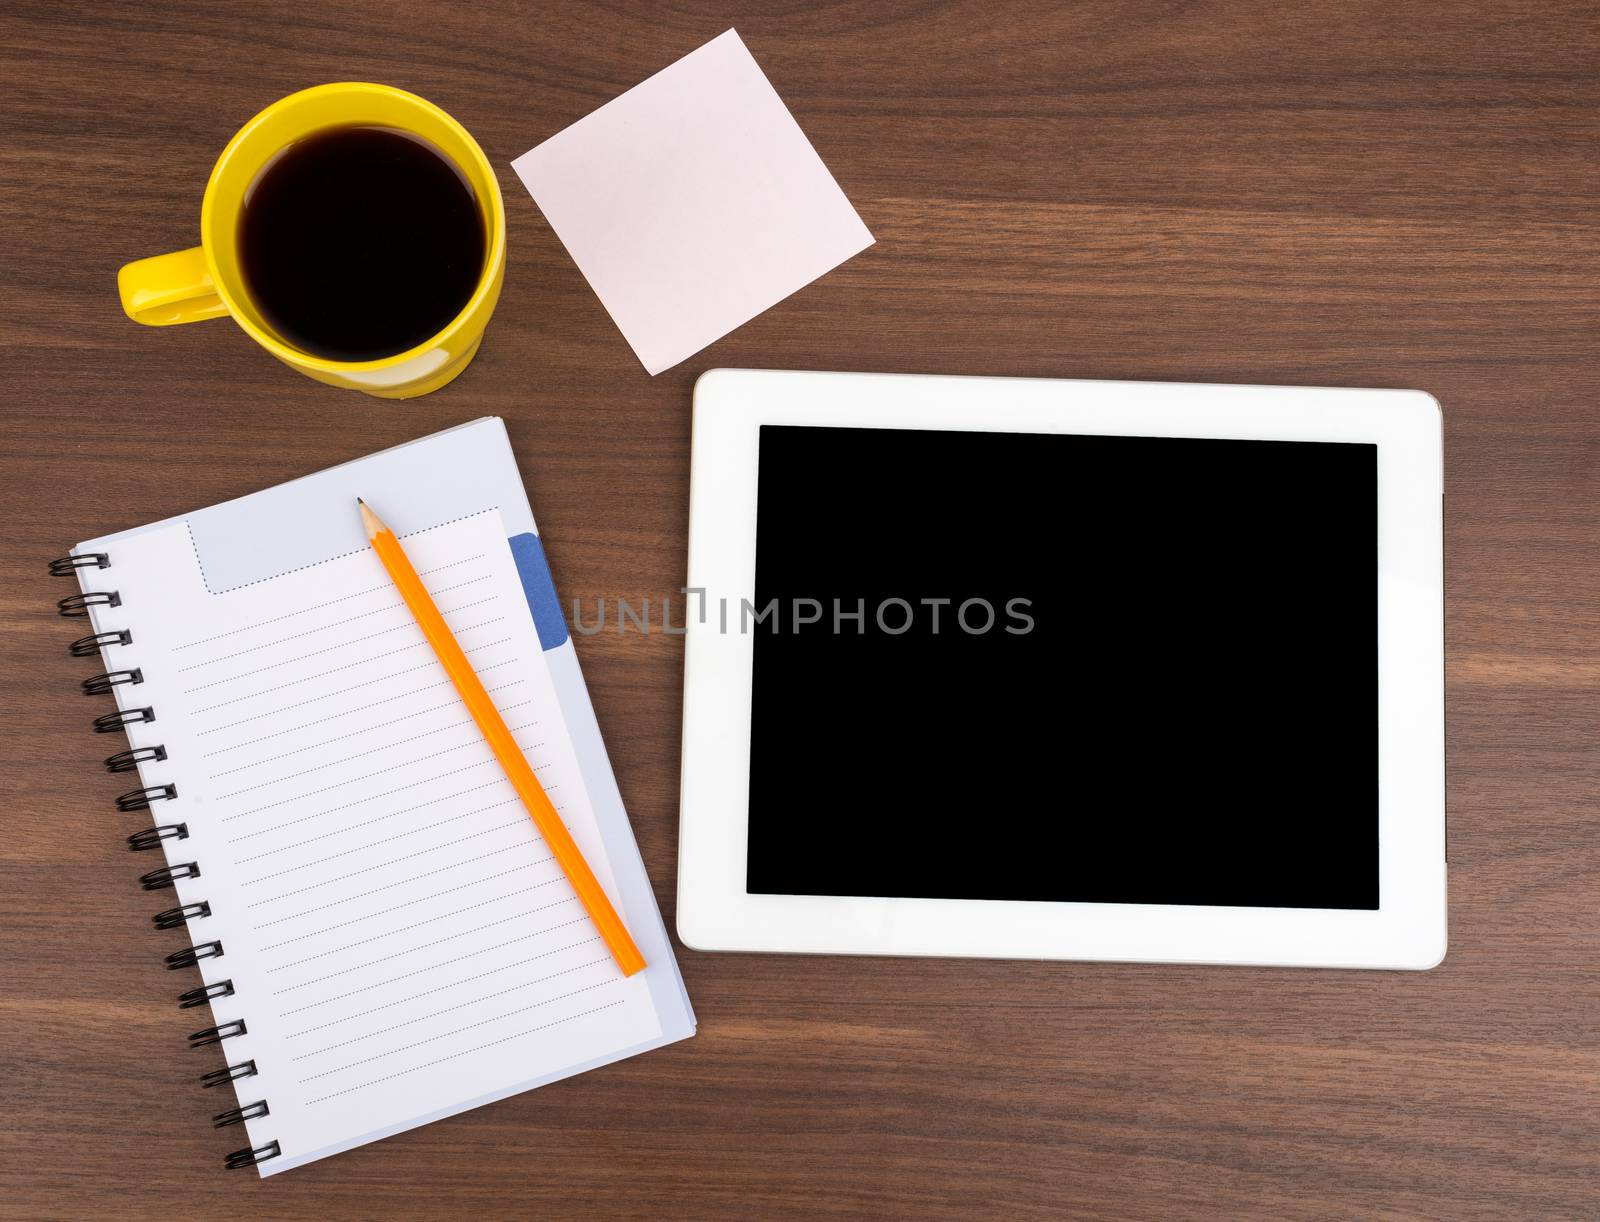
pixel 207 281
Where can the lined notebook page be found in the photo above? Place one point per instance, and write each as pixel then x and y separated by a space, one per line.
pixel 401 942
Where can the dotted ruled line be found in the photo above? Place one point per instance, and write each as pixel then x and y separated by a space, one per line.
pixel 298 844
pixel 343 713
pixel 351 666
pixel 326 882
pixel 356 640
pixel 295 916
pixel 206 640
pixel 356 780
pixel 325 858
pixel 482 1022
pixel 339 763
pixel 347 970
pixel 317 933
pixel 476 1001
pixel 482 670
pixel 307 865
pixel 278 827
pixel 284 640
pixel 339 738
pixel 399 929
pixel 338 623
pixel 367 988
pixel 465 1052
pixel 456 984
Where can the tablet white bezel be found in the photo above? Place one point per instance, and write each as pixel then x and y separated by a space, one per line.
pixel 714 910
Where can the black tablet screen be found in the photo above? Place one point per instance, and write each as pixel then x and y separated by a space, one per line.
pixel 1044 667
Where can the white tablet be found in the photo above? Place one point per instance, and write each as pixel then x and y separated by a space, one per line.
pixel 1052 669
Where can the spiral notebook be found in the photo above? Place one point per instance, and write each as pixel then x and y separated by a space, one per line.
pixel 379 933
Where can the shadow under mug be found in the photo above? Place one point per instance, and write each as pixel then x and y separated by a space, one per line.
pixel 207 281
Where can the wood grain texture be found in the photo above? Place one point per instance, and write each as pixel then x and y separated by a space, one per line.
pixel 1351 193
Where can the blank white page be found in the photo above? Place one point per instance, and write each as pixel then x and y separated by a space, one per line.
pixel 400 941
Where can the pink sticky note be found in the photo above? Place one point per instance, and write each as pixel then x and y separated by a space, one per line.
pixel 692 203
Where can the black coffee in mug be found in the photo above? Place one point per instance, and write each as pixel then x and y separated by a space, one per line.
pixel 358 243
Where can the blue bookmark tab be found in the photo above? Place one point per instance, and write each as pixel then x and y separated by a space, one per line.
pixel 540 589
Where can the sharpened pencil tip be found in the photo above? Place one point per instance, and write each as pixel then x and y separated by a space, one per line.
pixel 370 521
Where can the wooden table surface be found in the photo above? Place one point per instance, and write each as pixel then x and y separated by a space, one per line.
pixel 1351 193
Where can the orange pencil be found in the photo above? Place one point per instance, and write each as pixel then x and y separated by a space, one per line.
pixel 505 748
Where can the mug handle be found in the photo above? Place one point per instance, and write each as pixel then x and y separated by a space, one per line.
pixel 168 289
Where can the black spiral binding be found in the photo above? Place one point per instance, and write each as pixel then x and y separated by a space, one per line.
pixel 141 799
pixel 207 1036
pixel 167 876
pixel 99 685
pixel 204 994
pixel 81 606
pixel 129 761
pixel 217 1077
pixel 172 918
pixel 238 1115
pixel 249 1158
pixel 110 723
pixel 190 955
pixel 89 646
pixel 76 606
pixel 66 566
pixel 149 837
